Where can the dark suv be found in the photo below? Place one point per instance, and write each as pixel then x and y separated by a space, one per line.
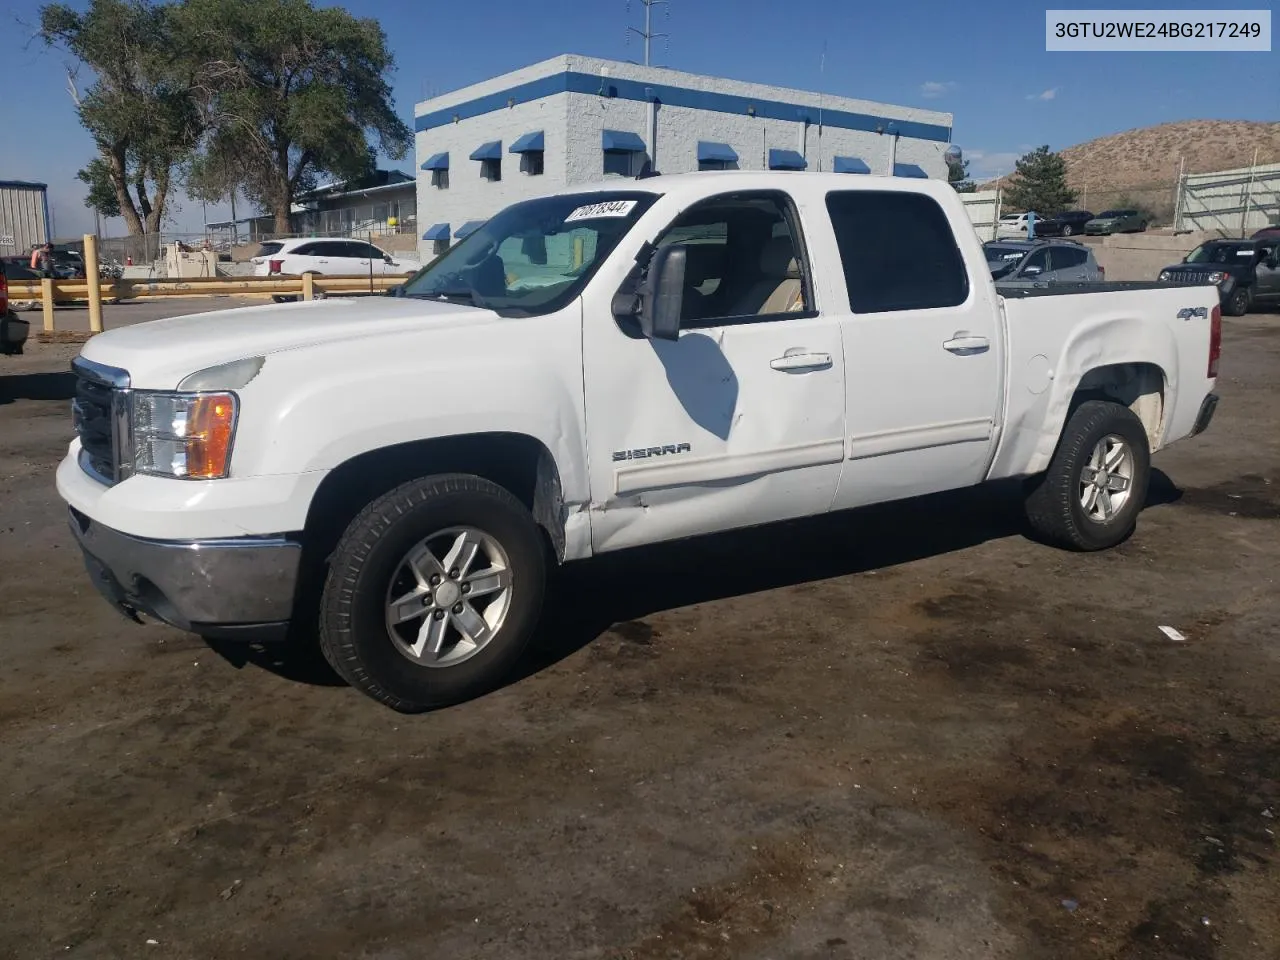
pixel 1246 272
pixel 1066 224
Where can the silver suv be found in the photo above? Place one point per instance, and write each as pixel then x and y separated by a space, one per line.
pixel 1035 262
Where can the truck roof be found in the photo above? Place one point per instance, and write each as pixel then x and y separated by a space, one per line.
pixel 696 184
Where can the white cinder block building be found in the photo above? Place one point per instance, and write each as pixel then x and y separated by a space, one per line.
pixel 573 119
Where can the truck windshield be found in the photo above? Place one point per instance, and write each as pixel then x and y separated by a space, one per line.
pixel 1218 252
pixel 535 256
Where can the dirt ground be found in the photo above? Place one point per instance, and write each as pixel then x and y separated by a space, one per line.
pixel 907 732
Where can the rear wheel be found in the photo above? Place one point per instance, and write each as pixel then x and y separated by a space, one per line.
pixel 1068 230
pixel 433 592
pixel 1240 301
pixel 1096 484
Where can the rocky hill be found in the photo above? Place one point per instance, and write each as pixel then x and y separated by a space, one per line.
pixel 1142 164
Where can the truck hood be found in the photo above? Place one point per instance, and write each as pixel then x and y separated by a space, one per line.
pixel 159 353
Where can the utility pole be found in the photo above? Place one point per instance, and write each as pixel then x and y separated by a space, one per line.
pixel 647 34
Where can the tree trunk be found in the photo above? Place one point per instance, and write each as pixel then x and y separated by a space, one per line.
pixel 119 183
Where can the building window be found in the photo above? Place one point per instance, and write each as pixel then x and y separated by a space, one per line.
pixel 440 178
pixel 439 246
pixel 713 165
pixel 491 170
pixel 620 162
pixel 531 163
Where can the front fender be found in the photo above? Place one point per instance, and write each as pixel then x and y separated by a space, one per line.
pixel 312 409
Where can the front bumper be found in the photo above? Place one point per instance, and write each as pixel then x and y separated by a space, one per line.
pixel 240 587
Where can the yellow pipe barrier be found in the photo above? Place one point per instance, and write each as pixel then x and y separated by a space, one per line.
pixel 46 302
pixel 94 279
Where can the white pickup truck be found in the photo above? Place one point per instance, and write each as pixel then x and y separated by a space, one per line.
pixel 615 365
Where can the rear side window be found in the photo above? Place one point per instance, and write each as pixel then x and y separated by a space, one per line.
pixel 1064 258
pixel 268 249
pixel 897 250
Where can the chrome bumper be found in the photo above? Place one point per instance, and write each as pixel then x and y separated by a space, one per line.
pixel 239 587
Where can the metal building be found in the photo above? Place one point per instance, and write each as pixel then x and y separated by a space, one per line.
pixel 24 216
pixel 573 119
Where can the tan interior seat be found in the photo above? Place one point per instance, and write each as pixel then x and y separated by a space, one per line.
pixel 779 288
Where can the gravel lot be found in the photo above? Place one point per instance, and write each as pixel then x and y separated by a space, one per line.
pixel 908 732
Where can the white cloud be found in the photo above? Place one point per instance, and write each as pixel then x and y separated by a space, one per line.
pixel 931 89
pixel 1049 94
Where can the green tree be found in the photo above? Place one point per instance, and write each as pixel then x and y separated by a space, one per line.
pixel 1039 183
pixel 958 176
pixel 102 193
pixel 139 108
pixel 290 92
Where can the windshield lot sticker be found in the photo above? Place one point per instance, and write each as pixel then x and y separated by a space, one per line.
pixel 595 211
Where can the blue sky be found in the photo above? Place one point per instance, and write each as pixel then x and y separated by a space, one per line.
pixel 985 64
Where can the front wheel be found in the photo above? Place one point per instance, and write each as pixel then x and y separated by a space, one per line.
pixel 433 592
pixel 1240 302
pixel 1067 230
pixel 1096 484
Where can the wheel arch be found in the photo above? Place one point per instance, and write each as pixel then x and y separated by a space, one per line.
pixel 1140 386
pixel 517 462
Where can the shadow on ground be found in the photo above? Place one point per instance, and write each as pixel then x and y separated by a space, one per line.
pixel 586 599
pixel 37 386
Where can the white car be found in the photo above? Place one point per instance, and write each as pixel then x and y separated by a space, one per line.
pixel 328 257
pixel 605 367
pixel 1013 225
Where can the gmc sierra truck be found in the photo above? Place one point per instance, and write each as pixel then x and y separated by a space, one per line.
pixel 610 366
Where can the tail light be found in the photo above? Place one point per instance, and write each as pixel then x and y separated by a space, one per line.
pixel 4 293
pixel 275 266
pixel 1215 341
pixel 1102 272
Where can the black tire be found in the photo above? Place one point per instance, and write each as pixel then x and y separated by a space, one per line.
pixel 1240 303
pixel 354 636
pixel 1067 230
pixel 277 298
pixel 1053 502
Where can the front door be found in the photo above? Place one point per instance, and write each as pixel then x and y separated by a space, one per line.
pixel 741 419
pixel 923 350
pixel 1267 274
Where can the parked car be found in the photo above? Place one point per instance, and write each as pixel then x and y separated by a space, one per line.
pixel 1014 225
pixel 602 368
pixel 1026 262
pixel 328 257
pixel 1065 224
pixel 13 329
pixel 1246 272
pixel 1116 221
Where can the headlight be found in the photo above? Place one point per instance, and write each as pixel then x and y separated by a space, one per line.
pixel 183 435
pixel 1217 276
pixel 1164 275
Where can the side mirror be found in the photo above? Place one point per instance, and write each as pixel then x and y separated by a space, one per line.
pixel 1032 271
pixel 388 258
pixel 662 294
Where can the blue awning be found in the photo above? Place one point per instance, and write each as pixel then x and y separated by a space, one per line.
pixel 529 143
pixel 909 170
pixel 850 165
pixel 437 161
pixel 488 151
pixel 621 141
pixel 710 150
pixel 786 160
pixel 437 231
pixel 467 229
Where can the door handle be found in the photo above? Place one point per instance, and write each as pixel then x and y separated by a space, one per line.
pixel 801 361
pixel 967 345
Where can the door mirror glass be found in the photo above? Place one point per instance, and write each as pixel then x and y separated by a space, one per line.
pixel 1032 270
pixel 387 258
pixel 662 293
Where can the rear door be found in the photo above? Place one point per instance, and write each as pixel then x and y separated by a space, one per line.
pixel 923 350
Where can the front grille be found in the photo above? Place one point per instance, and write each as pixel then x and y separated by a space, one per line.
pixel 1191 278
pixel 97 410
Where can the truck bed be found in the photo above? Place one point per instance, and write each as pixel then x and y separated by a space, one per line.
pixel 1085 286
